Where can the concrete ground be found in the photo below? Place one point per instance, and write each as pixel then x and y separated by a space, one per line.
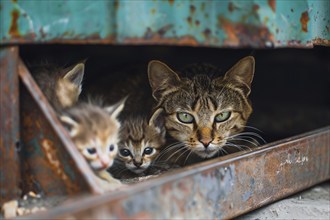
pixel 313 203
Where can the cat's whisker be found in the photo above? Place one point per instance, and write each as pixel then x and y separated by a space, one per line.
pixel 240 147
pixel 187 158
pixel 174 145
pixel 254 128
pixel 223 150
pixel 177 151
pixel 119 171
pixel 251 142
pixel 164 152
pixel 248 133
pixel 186 150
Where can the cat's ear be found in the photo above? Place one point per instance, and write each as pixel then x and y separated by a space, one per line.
pixel 162 79
pixel 242 73
pixel 70 124
pixel 114 110
pixel 75 75
pixel 157 120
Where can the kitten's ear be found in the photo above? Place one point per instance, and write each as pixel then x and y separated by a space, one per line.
pixel 70 124
pixel 75 75
pixel 157 120
pixel 114 110
pixel 162 79
pixel 242 72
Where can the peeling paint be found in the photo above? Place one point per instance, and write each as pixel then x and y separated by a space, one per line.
pixel 304 19
pixel 13 30
pixel 115 23
pixel 272 5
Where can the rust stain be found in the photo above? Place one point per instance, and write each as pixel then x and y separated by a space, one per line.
pixel 304 21
pixel 162 31
pixel 153 11
pixel 156 39
pixel 244 34
pixel 229 29
pixel 255 7
pixel 203 6
pixel 231 7
pixel 42 33
pixel 192 9
pixel 189 20
pixel 207 33
pixel 116 4
pixel 14 1
pixel 272 5
pixel 322 42
pixel 13 30
pixel 171 2
pixel 56 165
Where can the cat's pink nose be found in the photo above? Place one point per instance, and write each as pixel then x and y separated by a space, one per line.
pixel 105 163
pixel 206 141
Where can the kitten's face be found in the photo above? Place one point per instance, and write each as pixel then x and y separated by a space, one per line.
pixel 201 112
pixel 140 144
pixel 95 131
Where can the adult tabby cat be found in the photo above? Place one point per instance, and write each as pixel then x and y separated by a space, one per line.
pixel 203 113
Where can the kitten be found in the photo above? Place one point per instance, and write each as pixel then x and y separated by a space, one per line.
pixel 204 114
pixel 95 132
pixel 140 145
pixel 61 86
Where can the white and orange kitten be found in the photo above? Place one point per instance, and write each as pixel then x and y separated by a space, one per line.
pixel 95 132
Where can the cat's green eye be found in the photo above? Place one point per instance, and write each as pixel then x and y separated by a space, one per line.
pixel 148 150
pixel 223 116
pixel 125 152
pixel 185 117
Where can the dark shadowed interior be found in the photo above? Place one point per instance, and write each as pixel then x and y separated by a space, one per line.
pixel 290 90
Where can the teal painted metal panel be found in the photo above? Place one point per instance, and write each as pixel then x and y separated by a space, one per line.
pixel 254 23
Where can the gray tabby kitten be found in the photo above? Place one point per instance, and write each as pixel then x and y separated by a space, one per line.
pixel 203 114
pixel 140 145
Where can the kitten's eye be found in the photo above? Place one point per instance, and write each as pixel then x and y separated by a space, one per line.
pixel 148 150
pixel 185 117
pixel 125 152
pixel 112 147
pixel 91 150
pixel 223 116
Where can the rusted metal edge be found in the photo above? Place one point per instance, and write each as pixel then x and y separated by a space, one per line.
pixel 183 41
pixel 56 125
pixel 221 188
pixel 9 125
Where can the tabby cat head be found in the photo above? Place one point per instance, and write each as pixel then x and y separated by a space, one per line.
pixel 95 132
pixel 203 112
pixel 141 142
